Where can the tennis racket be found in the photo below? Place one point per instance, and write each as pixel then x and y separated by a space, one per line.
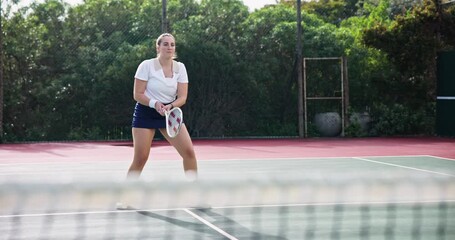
pixel 174 121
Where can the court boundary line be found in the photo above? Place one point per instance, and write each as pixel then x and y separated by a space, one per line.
pixel 235 206
pixel 406 167
pixel 209 224
pixel 238 159
pixel 229 159
pixel 442 158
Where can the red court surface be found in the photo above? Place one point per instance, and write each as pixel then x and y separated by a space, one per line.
pixel 230 149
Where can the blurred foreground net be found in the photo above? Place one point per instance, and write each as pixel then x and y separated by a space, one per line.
pixel 369 207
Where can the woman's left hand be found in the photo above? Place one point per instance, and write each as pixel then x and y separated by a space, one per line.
pixel 164 109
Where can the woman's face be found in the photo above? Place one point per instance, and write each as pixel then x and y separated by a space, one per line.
pixel 166 48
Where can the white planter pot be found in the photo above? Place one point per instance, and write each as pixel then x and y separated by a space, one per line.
pixel 328 124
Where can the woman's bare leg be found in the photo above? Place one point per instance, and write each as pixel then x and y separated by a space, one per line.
pixel 142 141
pixel 184 146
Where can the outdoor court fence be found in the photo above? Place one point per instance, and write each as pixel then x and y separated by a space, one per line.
pixel 397 206
pixel 60 52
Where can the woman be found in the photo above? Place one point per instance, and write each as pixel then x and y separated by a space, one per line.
pixel 160 84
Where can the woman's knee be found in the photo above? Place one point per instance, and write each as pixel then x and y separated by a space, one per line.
pixel 140 157
pixel 188 153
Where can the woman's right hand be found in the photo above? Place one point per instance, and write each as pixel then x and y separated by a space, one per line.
pixel 159 108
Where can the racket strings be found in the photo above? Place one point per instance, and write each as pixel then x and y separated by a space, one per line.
pixel 174 121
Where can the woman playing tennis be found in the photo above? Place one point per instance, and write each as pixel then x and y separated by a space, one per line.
pixel 160 84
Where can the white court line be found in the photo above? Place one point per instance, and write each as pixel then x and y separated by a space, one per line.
pixel 201 219
pixel 229 207
pixel 442 158
pixel 401 166
pixel 56 162
pixel 300 158
pixel 87 212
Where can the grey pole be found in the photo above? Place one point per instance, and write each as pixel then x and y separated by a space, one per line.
pixel 164 17
pixel 299 69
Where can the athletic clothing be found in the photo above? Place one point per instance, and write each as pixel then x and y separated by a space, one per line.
pixel 159 88
pixel 147 117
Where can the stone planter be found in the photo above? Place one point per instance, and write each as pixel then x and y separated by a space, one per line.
pixel 328 124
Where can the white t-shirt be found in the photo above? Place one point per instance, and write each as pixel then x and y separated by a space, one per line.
pixel 160 88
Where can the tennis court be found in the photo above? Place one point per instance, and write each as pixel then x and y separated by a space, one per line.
pixel 397 188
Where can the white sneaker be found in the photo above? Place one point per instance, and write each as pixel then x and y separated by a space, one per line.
pixel 122 206
pixel 202 207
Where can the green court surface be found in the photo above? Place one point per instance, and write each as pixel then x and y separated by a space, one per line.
pixel 411 197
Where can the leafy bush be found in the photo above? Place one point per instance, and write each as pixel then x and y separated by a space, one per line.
pixel 398 119
pixel 354 130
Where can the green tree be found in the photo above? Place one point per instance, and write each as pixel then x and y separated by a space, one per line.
pixel 332 11
pixel 106 42
pixel 68 70
pixel 32 51
pixel 207 43
pixel 416 33
pixel 420 33
pixel 270 38
pixel 366 65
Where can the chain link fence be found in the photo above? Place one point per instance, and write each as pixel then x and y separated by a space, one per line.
pixel 68 69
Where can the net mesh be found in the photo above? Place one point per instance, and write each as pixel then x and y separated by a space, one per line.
pixel 398 207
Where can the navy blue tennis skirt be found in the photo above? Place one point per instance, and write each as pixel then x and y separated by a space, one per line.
pixel 147 117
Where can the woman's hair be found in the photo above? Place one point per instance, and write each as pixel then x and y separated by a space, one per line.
pixel 160 39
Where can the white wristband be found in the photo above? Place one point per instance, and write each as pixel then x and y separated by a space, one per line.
pixel 152 103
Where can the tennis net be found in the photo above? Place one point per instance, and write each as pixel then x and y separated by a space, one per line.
pixel 311 207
